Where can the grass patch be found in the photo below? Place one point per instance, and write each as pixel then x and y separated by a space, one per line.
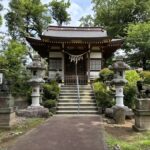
pixel 138 141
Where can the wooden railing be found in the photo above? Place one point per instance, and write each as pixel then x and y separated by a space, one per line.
pixel 71 79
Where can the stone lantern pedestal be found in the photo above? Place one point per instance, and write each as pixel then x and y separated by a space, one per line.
pixel 7 112
pixel 37 71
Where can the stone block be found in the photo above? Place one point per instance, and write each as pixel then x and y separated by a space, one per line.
pixel 6 100
pixel 119 115
pixel 7 117
pixel 109 112
pixel 142 115
pixel 40 112
pixel 143 104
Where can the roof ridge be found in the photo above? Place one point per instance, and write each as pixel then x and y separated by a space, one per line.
pixel 75 28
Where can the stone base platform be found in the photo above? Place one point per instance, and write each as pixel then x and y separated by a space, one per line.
pixel 109 112
pixel 7 117
pixel 30 112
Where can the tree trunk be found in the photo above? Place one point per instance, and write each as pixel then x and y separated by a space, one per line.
pixel 144 63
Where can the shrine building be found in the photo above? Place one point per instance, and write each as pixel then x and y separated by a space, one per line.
pixel 72 51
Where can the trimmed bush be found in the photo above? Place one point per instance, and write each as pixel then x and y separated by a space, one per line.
pixel 130 88
pixel 49 103
pixel 50 94
pixel 129 95
pixel 104 97
pixel 106 74
pixel 50 90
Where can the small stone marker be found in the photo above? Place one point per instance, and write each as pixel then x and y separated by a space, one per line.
pixel 119 115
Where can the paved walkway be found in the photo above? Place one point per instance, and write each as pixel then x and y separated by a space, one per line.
pixel 64 133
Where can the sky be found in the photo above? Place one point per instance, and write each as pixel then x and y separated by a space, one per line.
pixel 77 9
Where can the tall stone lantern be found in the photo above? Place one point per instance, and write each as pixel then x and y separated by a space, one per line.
pixel 119 80
pixel 37 70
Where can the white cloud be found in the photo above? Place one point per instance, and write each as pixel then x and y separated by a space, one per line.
pixel 77 12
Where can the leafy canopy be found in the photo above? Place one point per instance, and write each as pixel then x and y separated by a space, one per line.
pixel 26 18
pixel 58 10
pixel 86 21
pixel 11 59
pixel 115 15
pixel 1 7
pixel 138 37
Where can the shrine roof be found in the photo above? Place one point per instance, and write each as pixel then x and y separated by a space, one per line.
pixel 75 32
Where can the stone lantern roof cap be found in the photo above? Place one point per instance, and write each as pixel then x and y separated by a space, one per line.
pixel 119 64
pixel 36 64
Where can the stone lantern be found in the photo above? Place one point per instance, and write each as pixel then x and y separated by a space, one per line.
pixel 119 80
pixel 37 71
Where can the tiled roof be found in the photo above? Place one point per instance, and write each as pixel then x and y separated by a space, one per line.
pixel 75 32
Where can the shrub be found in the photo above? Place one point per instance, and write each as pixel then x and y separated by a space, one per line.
pixel 49 103
pixel 104 97
pixel 132 76
pixel 130 88
pixel 145 75
pixel 106 74
pixel 130 95
pixel 50 90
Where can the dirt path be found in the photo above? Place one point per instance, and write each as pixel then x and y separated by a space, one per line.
pixel 64 133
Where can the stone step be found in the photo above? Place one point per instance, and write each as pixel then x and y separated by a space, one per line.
pixel 76 104
pixel 76 108
pixel 75 88
pixel 76 94
pixel 75 91
pixel 76 112
pixel 75 101
pixel 76 97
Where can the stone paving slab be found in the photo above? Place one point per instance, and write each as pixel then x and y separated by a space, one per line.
pixel 64 133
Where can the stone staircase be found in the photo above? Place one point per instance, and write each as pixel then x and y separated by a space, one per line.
pixel 68 100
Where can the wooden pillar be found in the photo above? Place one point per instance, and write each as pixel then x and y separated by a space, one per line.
pixel 63 64
pixel 88 64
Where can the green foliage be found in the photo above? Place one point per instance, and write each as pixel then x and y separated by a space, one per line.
pixel 132 76
pixel 59 12
pixel 104 97
pixel 138 37
pixel 31 16
pixel 115 15
pixel 130 88
pixel 130 95
pixel 86 21
pixel 49 103
pixel 11 59
pixel 50 91
pixel 106 74
pixel 145 76
pixel 1 7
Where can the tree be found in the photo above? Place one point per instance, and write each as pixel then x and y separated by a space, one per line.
pixel 12 60
pixel 138 39
pixel 26 18
pixel 58 10
pixel 1 7
pixel 115 15
pixel 87 21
